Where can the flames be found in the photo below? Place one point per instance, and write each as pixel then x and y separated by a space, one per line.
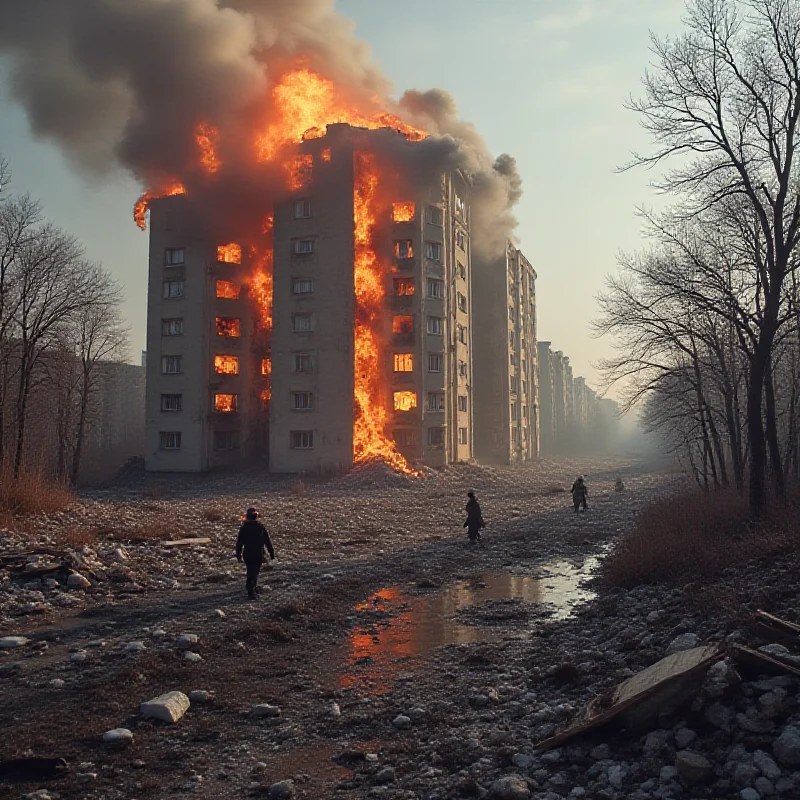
pixel 207 137
pixel 143 203
pixel 230 253
pixel 404 212
pixel 369 437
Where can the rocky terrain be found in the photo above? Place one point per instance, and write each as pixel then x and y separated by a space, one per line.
pixel 385 658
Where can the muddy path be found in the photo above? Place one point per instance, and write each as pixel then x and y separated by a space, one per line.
pixel 333 643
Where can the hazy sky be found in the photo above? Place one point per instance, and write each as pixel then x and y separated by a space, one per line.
pixel 544 80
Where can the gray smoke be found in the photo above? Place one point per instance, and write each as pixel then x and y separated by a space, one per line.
pixel 125 82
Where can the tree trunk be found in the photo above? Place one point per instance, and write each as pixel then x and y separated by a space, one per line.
pixel 756 438
pixel 776 467
pixel 79 436
pixel 22 411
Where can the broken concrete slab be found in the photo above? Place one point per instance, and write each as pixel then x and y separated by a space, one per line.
pixel 169 707
pixel 638 700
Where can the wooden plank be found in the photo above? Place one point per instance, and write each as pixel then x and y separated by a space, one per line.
pixel 762 663
pixel 186 542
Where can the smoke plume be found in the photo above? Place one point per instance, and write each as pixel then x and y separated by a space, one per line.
pixel 126 82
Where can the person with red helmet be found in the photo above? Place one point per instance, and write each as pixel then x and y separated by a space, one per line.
pixel 251 546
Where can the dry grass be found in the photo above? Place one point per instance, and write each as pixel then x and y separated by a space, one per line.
pixel 150 531
pixel 694 536
pixel 33 492
pixel 78 537
pixel 299 489
pixel 211 515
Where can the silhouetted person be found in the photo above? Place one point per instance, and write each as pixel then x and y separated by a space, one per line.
pixel 579 493
pixel 251 545
pixel 474 521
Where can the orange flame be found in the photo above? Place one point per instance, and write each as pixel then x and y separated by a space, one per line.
pixel 230 253
pixel 261 280
pixel 226 365
pixel 142 205
pixel 225 403
pixel 228 290
pixel 369 438
pixel 207 137
pixel 230 327
pixel 404 212
pixel 405 401
pixel 300 169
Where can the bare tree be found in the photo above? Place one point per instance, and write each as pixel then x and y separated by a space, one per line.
pixel 722 104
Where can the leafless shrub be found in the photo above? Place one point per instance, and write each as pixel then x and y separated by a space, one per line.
pixel 32 492
pixel 299 489
pixel 211 514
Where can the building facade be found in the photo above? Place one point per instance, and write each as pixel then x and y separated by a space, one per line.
pixel 506 360
pixel 546 383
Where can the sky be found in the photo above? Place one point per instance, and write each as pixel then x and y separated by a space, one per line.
pixel 543 80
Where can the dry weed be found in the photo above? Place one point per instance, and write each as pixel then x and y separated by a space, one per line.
pixel 299 489
pixel 33 492
pixel 211 515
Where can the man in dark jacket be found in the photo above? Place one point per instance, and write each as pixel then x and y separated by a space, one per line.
pixel 579 492
pixel 251 544
pixel 474 521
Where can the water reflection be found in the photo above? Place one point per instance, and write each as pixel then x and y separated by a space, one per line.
pixel 397 630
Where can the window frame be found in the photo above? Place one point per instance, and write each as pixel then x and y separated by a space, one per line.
pixel 301 409
pixel 166 324
pixel 166 293
pixel 168 257
pixel 434 247
pixel 164 403
pixel 434 215
pixel 403 359
pixel 307 240
pixel 433 323
pixel 295 362
pixel 305 281
pixel 439 405
pixel 437 285
pixel 163 440
pixel 295 446
pixel 303 203
pixel 166 360
pixel 439 437
pixel 439 359
pixel 305 316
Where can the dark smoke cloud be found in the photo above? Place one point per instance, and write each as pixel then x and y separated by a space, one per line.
pixel 124 82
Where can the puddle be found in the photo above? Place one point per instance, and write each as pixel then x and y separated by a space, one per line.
pixel 397 630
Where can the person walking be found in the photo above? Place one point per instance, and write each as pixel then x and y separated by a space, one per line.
pixel 251 544
pixel 579 493
pixel 474 521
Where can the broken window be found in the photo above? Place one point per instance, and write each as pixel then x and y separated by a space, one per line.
pixel 435 288
pixel 229 327
pixel 404 437
pixel 301 323
pixel 226 365
pixel 461 207
pixel 462 435
pixel 462 271
pixel 462 402
pixel 302 286
pixel 403 324
pixel 175 257
pixel 302 247
pixel 171 365
pixel 266 366
pixel 404 212
pixel 303 362
pixel 462 369
pixel 169 440
pixel 403 362
pixel 403 287
pixel 461 239
pixel 435 401
pixel 433 251
pixel 403 248
pixel 301 440
pixel 171 402
pixel 405 401
pixel 301 209
pixel 172 327
pixel 462 302
pixel 226 403
pixel 435 437
pixel 173 290
pixel 433 215
pixel 229 253
pixel 225 440
pixel 326 154
pixel 302 401
pixel 435 361
pixel 436 326
pixel 301 168
pixel 228 290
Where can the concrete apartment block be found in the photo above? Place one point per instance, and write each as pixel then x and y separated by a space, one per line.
pixel 547 418
pixel 505 357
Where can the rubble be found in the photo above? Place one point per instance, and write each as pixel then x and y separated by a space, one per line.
pixel 169 707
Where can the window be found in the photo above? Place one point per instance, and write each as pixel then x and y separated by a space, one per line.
pixel 403 248
pixel 404 437
pixel 229 327
pixel 226 403
pixel 524 387
pixel 302 401
pixel 461 239
pixel 170 365
pixel 515 435
pixel 301 323
pixel 436 326
pixel 405 401
pixel 513 412
pixel 169 440
pixel 512 339
pixel 462 369
pixel 512 359
pixel 435 401
pixel 172 327
pixel 173 290
pixel 462 334
pixel 326 154
pixel 433 215
pixel 403 324
pixel 461 208
pixel 514 384
pixel 462 302
pixel 435 437
pixel 435 361
pixel 403 362
pixel 302 286
pixel 462 271
pixel 403 287
pixel 404 212
pixel 301 209
pixel 229 253
pixel 301 440
pixel 171 402
pixel 301 247
pixel 433 251
pixel 265 397
pixel 301 169
pixel 303 362
pixel 175 257
pixel 435 288
pixel 228 290
pixel 266 366
pixel 225 440
pixel 512 313
pixel 226 365
pixel 462 435
pixel 462 403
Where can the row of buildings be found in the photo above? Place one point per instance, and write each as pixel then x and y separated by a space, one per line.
pixel 456 362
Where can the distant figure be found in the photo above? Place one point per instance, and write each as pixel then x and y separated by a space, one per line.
pixel 619 486
pixel 251 544
pixel 579 493
pixel 474 521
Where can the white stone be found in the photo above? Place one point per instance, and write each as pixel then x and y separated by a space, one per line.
pixel 334 710
pixel 217 613
pixel 79 656
pixel 686 641
pixel 78 581
pixel 401 721
pixel 265 710
pixel 191 657
pixel 169 707
pixel 10 642
pixel 56 683
pixel 134 647
pixel 186 640
pixel 118 736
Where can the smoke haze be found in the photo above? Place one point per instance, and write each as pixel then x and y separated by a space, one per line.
pixel 119 83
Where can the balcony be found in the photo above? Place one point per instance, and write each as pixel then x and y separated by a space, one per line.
pixel 406 264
